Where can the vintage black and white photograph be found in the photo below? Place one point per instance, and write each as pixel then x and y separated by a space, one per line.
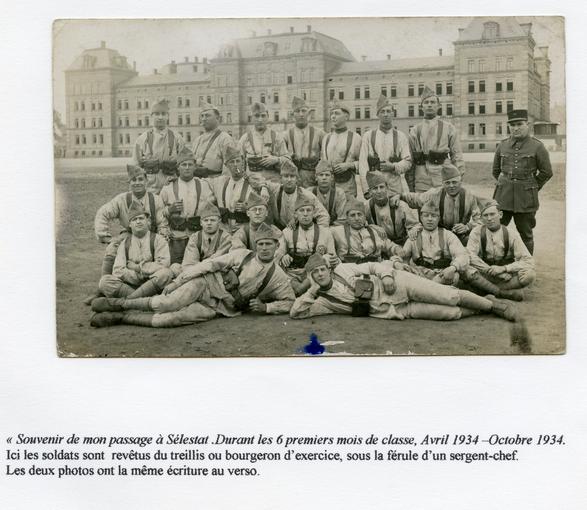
pixel 332 186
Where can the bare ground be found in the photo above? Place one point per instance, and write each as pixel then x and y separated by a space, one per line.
pixel 80 191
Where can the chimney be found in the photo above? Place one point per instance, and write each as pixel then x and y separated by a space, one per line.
pixel 268 31
pixel 440 52
pixel 102 44
pixel 308 28
pixel 461 30
pixel 173 67
pixel 155 71
pixel 363 58
pixel 196 60
pixel 205 60
pixel 134 65
pixel 291 30
pixel 186 59
pixel 388 56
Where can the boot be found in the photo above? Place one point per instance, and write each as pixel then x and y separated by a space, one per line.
pixel 472 301
pixel 514 294
pixel 502 309
pixel 138 318
pixel 107 264
pixel 147 289
pixel 103 304
pixel 483 284
pixel 104 319
pixel 88 300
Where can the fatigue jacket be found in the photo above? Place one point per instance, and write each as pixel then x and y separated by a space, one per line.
pixel 397 227
pixel 432 250
pixel 282 206
pixel 369 241
pixel 521 168
pixel 334 201
pixel 244 237
pixel 139 252
pixel 202 246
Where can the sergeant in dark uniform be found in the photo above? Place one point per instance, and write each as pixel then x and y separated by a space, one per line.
pixel 521 167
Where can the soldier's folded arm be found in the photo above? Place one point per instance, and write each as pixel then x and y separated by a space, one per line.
pixel 221 263
pixel 281 297
pixel 105 214
pixel 308 305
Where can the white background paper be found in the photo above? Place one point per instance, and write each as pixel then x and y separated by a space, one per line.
pixel 42 394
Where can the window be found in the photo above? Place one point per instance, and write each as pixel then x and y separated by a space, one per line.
pixel 188 119
pixel 481 85
pixel 221 100
pixel 99 106
pixel 209 99
pixel 471 129
pixel 410 110
pixel 509 63
pixel 119 121
pixel 420 112
pixel 341 94
pixel 358 130
pixel 188 136
pixel 393 91
pixel 126 122
pixel 146 104
pixel 276 116
pixel 367 112
pixel 276 97
pixel 119 104
pixel 331 94
pixel 482 129
pixel 498 107
pixel 491 30
pixel 471 146
pixel 482 66
pixel 139 122
pixel 100 123
pixel 470 66
pixel 481 109
pixel 394 107
pixel 449 88
pixel 439 89
pixel 94 139
pixel 146 121
pixel 249 100
pixel 93 107
pixel 499 128
pixel 262 97
pixel 93 123
pixel 83 123
pixel 357 113
pixel 304 95
pixel 229 117
pixel 126 104
pixel 471 108
pixel 127 138
pixel 499 64
pixel 508 129
pixel 101 138
pixel 76 106
pixel 77 140
pixel 471 87
pixel 384 90
pixel 99 153
pixel 289 79
pixel 498 86
pixel 510 106
pixel 509 86
pixel 481 146
pixel 187 102
pixel 420 89
pixel 83 139
pixel 76 123
pixel 83 153
pixel 83 106
pixel 139 105
pixel 76 153
pixel 357 92
pixel 180 120
pixel 179 102
pixel 367 93
pixel 195 68
pixel 249 119
pixel 449 109
pixel 410 90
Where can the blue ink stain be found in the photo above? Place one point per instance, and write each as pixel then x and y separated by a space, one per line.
pixel 314 347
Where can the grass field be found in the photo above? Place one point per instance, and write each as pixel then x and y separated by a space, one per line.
pixel 80 191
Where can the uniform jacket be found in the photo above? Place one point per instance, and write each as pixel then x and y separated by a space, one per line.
pixel 209 150
pixel 201 246
pixel 140 252
pixel 284 214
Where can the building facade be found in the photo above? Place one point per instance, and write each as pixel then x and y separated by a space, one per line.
pixel 496 67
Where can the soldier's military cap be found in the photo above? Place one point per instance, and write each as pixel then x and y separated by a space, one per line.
pixel 134 170
pixel 302 201
pixel 314 261
pixel 449 171
pixel 254 200
pixel 205 106
pixel 426 93
pixel 209 209
pixel 375 179
pixel 324 166
pixel 287 165
pixel 430 207
pixel 336 105
pixel 136 209
pixel 485 203
pixel 231 152
pixel 265 232
pixel 258 108
pixel 352 204
pixel 382 102
pixel 185 155
pixel 298 103
pixel 515 115
pixel 160 106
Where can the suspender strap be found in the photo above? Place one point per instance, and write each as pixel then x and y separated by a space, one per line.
pixel 347 233
pixel 248 234
pixel 311 140
pixel 198 187
pixel 441 241
pixel 291 140
pixel 373 136
pixel 199 243
pixel 392 214
pixel 170 141
pixel 175 187
pixel 394 138
pixel 462 206
pixel 267 279
pixel 334 300
pixel 439 133
pixel 340 279
pixel 349 142
pixel 244 189
pixel 419 136
pixel 441 207
pixel 214 136
pixel 273 136
pixel 224 192
pixel 373 240
pixel 443 250
pixel 248 257
pixel 419 245
pixel 506 242
pixel 250 138
pixel 128 199
pixel 331 201
pixel 483 242
pixel 326 141
pixel 295 239
pixel 151 245
pixel 150 141
pixel 372 209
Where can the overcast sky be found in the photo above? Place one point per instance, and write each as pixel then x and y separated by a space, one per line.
pixel 154 43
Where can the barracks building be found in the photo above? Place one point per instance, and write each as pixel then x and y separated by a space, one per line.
pixel 496 67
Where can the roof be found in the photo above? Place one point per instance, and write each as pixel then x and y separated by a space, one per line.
pixel 290 44
pixel 400 64
pixel 164 79
pixel 508 27
pixel 99 58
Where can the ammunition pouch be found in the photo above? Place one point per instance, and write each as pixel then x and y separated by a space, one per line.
pixel 502 262
pixel 168 167
pixel 201 171
pixel 345 176
pixel 437 264
pixel 298 261
pixel 353 259
pixel 224 215
pixel 437 158
pixel 308 164
pixel 253 163
pixel 180 223
pixel 419 158
pixel 193 223
pixel 374 163
pixel 238 216
pixel 395 159
pixel 363 294
pixel 240 303
pixel 230 280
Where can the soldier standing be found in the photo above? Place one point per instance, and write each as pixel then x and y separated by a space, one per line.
pixel 521 166
pixel 432 141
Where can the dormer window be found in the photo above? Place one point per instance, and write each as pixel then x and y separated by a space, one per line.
pixel 309 44
pixel 490 30
pixel 269 49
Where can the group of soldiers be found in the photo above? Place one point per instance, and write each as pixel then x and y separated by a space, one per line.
pixel 312 223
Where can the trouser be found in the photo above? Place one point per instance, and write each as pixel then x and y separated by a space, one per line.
pixel 115 287
pixel 427 176
pixel 525 223
pixel 434 275
pixel 433 301
pixel 519 280
pixel 177 249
